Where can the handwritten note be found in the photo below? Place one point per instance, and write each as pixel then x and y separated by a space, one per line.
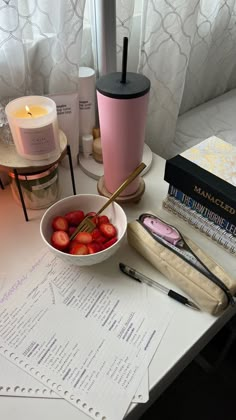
pixel 83 335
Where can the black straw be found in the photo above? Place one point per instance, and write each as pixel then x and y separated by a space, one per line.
pixel 124 59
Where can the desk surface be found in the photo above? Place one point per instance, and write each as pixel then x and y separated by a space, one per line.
pixel 188 332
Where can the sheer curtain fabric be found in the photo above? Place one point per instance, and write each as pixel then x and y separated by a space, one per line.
pixel 187 48
pixel 188 51
pixel 40 46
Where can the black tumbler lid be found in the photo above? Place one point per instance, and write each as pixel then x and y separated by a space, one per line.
pixel 110 85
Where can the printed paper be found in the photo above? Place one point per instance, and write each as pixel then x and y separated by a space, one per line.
pixel 85 336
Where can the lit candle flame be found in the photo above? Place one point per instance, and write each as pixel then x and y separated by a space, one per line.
pixel 28 110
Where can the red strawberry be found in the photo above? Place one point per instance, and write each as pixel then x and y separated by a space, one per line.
pixel 103 219
pixel 79 249
pixel 108 230
pixel 84 237
pixel 94 247
pixel 97 236
pixel 60 223
pixel 60 240
pixel 101 239
pixel 91 213
pixel 72 243
pixel 74 217
pixel 109 243
pixel 71 230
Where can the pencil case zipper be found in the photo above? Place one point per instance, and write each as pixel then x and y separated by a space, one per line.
pixel 211 276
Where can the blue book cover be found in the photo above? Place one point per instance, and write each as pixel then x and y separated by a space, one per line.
pixel 192 204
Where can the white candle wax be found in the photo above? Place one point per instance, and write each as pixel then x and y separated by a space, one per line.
pixel 34 126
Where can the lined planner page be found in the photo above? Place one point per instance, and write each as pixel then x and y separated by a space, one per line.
pixel 83 336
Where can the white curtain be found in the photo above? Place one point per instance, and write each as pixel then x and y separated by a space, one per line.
pixel 40 46
pixel 187 48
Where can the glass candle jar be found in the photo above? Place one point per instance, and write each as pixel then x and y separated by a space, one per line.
pixel 40 190
pixel 34 127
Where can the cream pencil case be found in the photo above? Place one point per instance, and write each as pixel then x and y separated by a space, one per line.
pixel 183 262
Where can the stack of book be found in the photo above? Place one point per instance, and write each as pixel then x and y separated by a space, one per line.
pixel 202 189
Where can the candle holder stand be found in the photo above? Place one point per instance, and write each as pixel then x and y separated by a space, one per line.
pixel 1 184
pixel 11 161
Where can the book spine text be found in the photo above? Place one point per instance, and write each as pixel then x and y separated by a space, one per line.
pixel 203 210
pixel 204 187
pixel 196 220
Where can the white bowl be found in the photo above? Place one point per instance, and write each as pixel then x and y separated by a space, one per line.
pixel 87 203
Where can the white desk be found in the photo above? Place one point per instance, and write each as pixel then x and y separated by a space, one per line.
pixel 188 332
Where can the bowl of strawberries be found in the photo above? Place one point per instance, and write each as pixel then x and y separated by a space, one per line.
pixel 58 224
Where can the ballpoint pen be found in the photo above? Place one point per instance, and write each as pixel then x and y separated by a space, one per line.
pixel 141 278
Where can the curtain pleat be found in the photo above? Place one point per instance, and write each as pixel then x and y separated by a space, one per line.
pixel 40 46
pixel 188 51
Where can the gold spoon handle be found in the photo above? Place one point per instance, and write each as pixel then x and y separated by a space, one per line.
pixel 121 188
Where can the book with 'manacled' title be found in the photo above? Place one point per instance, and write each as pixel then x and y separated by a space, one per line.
pixel 207 173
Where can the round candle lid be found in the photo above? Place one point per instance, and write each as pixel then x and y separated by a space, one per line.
pixel 136 85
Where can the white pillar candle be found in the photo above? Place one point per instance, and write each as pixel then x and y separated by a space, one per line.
pixel 34 127
pixel 87 144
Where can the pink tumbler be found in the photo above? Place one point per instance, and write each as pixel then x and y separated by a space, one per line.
pixel 122 108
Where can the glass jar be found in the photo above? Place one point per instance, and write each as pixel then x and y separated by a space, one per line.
pixel 40 189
